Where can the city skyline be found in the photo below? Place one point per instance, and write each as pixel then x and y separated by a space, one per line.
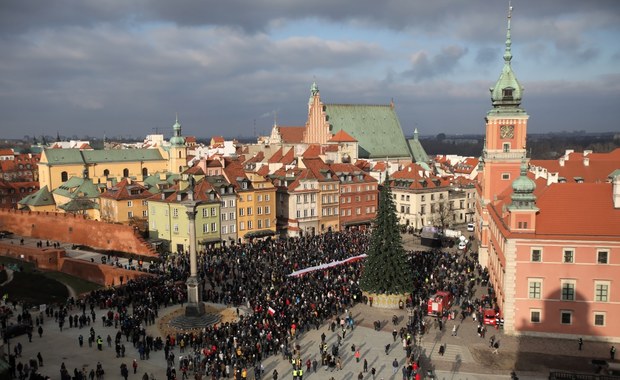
pixel 126 68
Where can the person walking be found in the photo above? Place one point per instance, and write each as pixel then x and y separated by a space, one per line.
pixel 135 366
pixel 394 366
pixel 612 353
pixel 40 331
pixel 454 330
pixel 365 365
pixel 580 343
pixel 124 371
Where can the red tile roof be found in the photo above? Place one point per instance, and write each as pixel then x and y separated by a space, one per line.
pixel 313 151
pixel 564 210
pixel 600 165
pixel 342 136
pixel 292 135
pixel 123 191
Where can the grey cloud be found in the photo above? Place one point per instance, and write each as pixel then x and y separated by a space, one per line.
pixel 424 66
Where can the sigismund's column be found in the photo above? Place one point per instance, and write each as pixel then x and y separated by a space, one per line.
pixel 195 307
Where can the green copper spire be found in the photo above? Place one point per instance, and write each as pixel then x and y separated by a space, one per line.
pixel 177 138
pixel 314 90
pixel 507 92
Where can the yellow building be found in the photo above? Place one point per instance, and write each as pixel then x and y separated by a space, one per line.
pixel 58 165
pixel 256 203
pixel 125 202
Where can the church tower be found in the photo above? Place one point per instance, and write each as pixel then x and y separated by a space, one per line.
pixel 317 128
pixel 506 130
pixel 177 161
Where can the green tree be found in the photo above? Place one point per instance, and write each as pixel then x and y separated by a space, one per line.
pixel 386 269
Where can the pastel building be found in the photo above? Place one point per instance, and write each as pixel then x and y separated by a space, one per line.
pixel 552 248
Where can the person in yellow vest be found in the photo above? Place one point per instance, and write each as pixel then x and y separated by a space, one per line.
pixel 244 373
pixel 294 374
pixel 300 374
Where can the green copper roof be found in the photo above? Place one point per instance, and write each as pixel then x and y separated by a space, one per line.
pixel 417 150
pixel 523 190
pixel 177 138
pixel 77 205
pixel 77 187
pixel 507 91
pixel 154 183
pixel 42 197
pixel 375 127
pixel 76 156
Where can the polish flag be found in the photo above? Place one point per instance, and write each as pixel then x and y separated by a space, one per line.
pixel 271 311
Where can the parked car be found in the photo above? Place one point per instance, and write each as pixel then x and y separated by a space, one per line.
pixel 470 227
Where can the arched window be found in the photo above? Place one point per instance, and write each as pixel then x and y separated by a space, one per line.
pixel 145 172
pixel 64 177
pixel 125 172
pixel 106 173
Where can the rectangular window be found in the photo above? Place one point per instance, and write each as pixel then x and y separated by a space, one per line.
pixel 267 223
pixel 259 223
pixel 536 256
pixel 129 203
pixel 601 291
pixel 535 288
pixel 259 210
pixel 130 214
pixel 231 216
pixel 213 227
pixel 224 229
pixel 175 228
pixel 175 213
pixel 602 256
pixel 505 176
pixel 267 198
pixel 298 214
pixel 241 211
pixel 249 224
pixel 144 214
pixel 231 203
pixel 205 228
pixel 535 316
pixel 249 211
pixel 568 290
pixel 599 319
pixel 232 228
pixel 213 211
pixel 267 210
pixel 566 317
pixel 569 256
pixel 298 199
pixel 423 198
pixel 205 213
pixel 224 217
pixel 249 198
pixel 241 226
pixel 260 198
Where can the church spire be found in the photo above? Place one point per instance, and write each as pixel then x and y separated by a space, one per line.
pixel 508 51
pixel 507 92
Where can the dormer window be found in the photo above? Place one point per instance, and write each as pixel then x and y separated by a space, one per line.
pixel 244 185
pixel 507 93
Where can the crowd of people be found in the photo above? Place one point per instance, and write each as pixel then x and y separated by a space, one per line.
pixel 277 308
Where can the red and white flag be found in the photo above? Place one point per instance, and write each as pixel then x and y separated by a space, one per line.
pixel 271 311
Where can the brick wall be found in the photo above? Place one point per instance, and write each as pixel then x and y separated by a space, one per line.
pixel 56 260
pixel 75 229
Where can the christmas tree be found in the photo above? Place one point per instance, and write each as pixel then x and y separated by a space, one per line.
pixel 386 269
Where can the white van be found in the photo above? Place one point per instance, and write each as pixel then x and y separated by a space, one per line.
pixel 470 227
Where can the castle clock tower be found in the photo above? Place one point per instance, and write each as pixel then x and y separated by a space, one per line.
pixel 506 130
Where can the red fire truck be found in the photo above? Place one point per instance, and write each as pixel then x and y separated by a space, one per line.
pixel 439 302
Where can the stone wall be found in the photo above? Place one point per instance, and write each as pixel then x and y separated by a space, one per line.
pixel 75 229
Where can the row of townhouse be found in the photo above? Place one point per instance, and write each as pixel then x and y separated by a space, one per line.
pixel 423 198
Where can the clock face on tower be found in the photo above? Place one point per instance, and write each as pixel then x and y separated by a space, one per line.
pixel 506 131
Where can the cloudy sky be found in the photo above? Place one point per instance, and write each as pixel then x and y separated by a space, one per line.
pixel 230 67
